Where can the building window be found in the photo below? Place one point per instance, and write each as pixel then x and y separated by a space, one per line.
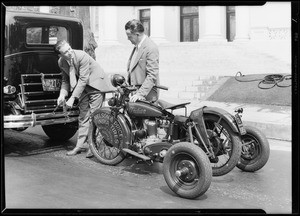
pixel 189 23
pixel 145 20
pixel 230 23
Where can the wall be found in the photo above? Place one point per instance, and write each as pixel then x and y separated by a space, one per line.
pixel 270 21
pixel 172 23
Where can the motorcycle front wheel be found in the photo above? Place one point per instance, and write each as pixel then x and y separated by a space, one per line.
pixel 105 146
pixel 255 150
pixel 187 170
pixel 226 145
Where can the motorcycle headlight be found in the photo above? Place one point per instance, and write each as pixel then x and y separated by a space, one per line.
pixel 117 80
pixel 112 101
pixel 9 89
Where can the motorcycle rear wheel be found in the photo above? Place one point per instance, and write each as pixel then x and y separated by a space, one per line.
pixel 187 170
pixel 256 154
pixel 222 134
pixel 103 149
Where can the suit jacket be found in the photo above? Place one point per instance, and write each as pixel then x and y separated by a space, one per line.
pixel 145 70
pixel 88 73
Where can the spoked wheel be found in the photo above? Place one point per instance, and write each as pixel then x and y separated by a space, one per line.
pixel 226 145
pixel 255 150
pixel 105 143
pixel 187 170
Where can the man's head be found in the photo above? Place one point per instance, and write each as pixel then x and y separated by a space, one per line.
pixel 134 31
pixel 64 49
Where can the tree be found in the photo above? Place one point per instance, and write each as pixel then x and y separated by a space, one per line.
pixel 83 13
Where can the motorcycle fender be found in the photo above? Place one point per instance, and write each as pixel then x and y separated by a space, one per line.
pixel 226 116
pixel 114 127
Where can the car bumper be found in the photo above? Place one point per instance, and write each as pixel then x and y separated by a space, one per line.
pixel 30 120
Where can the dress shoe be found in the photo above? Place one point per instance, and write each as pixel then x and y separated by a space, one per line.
pixel 76 150
pixel 89 154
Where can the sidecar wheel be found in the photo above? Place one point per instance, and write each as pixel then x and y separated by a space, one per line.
pixel 187 170
pixel 226 145
pixel 256 154
pixel 103 147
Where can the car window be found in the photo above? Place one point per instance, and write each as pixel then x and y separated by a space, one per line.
pixel 46 35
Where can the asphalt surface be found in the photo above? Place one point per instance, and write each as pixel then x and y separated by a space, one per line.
pixel 39 175
pixel 263 89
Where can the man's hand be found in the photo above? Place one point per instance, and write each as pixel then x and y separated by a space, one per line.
pixel 70 102
pixel 60 99
pixel 136 97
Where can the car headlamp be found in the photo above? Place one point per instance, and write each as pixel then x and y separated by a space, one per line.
pixel 9 89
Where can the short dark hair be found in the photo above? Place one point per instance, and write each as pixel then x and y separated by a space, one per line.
pixel 134 26
pixel 59 44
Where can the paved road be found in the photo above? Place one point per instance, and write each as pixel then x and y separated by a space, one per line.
pixel 38 174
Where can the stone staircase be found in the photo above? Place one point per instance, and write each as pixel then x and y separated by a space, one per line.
pixel 194 70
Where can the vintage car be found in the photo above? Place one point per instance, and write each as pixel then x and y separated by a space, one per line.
pixel 32 78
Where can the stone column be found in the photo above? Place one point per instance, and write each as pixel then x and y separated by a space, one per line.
pixel 214 21
pixel 44 9
pixel 110 30
pixel 157 24
pixel 242 20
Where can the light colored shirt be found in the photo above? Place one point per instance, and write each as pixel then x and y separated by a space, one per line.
pixel 140 43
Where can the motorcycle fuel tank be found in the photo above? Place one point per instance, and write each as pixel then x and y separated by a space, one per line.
pixel 143 109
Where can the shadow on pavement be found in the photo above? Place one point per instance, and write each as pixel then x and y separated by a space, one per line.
pixel 17 144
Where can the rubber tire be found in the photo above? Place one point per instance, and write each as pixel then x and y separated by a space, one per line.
pixel 236 148
pixel 200 158
pixel 260 161
pixel 120 157
pixel 20 129
pixel 61 132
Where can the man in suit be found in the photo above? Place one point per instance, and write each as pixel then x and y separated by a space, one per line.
pixel 143 64
pixel 81 74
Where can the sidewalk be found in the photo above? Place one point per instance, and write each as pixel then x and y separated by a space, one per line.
pixel 273 121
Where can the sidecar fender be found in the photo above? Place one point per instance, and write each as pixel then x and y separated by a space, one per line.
pixel 114 127
pixel 226 116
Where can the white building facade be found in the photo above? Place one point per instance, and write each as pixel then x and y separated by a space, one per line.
pixel 194 23
pixel 198 44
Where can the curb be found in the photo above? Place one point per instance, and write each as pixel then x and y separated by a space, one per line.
pixel 273 121
pixel 273 131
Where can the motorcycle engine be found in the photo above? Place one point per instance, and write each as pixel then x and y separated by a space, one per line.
pixel 150 131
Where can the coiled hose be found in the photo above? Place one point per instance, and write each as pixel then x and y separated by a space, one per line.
pixel 272 79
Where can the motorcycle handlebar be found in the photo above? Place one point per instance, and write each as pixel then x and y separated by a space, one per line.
pixel 131 88
pixel 162 87
pixel 158 86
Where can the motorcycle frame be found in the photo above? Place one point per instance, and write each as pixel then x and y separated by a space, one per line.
pixel 122 97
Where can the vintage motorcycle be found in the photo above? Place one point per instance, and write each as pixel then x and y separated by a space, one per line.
pixel 192 148
pixel 151 133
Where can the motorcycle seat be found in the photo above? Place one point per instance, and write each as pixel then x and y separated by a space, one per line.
pixel 166 105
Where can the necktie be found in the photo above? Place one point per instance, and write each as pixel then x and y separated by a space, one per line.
pixel 133 58
pixel 72 75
